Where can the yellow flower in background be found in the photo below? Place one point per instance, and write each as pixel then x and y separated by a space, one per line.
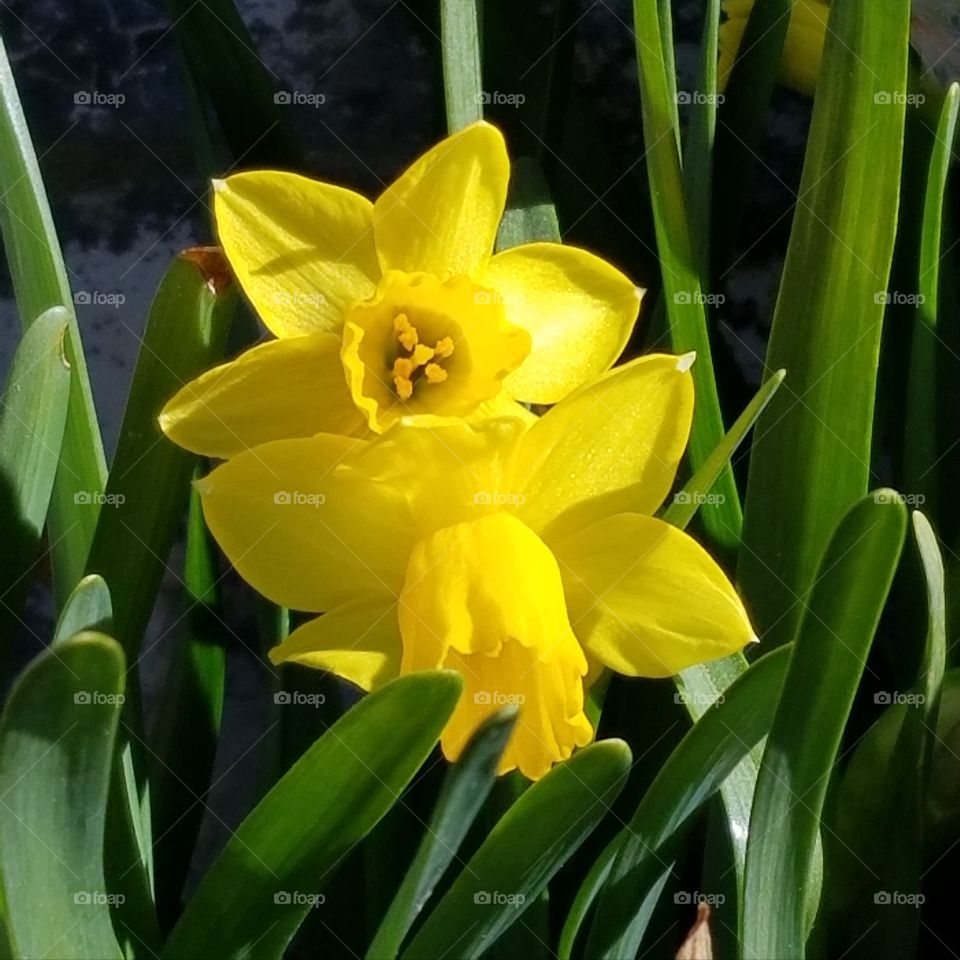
pixel 397 308
pixel 802 50
pixel 518 552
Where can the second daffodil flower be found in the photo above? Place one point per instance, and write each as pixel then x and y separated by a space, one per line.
pixel 397 308
pixel 520 554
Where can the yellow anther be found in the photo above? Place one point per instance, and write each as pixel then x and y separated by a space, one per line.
pixel 406 332
pixel 404 367
pixel 434 373
pixel 404 387
pixel 444 348
pixel 421 354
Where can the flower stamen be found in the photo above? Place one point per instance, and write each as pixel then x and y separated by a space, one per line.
pixel 421 360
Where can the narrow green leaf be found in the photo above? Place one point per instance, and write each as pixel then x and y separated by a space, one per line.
pixel 521 854
pixel 697 489
pixel 263 884
pixel 462 78
pixel 701 686
pixel 743 115
pixel 56 747
pixel 841 616
pixel 699 148
pixel 149 481
pixel 233 82
pixel 923 442
pixel 811 454
pixel 890 840
pixel 530 215
pixel 40 282
pixel 87 608
pixel 696 769
pixel 188 727
pixel 466 787
pixel 32 422
pixel 682 286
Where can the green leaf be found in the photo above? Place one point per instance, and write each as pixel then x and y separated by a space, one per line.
pixel 682 286
pixel 525 849
pixel 466 787
pixel 149 481
pixel 707 755
pixel 462 79
pixel 879 850
pixel 259 889
pixel 530 215
pixel 234 84
pixel 840 619
pixel 699 147
pixel 702 685
pixel 923 440
pixel 87 608
pixel 31 431
pixel 697 489
pixel 40 283
pixel 744 113
pixel 188 727
pixel 811 454
pixel 56 747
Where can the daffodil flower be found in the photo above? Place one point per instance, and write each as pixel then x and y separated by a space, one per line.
pixel 397 308
pixel 520 554
pixel 802 49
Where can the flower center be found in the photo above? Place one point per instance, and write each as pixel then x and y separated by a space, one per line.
pixel 418 361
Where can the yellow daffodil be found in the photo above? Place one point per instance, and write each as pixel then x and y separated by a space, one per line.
pixel 519 553
pixel 802 49
pixel 399 307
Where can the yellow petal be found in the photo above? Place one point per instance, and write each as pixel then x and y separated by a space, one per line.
pixel 609 447
pixel 477 347
pixel 447 473
pixel 441 215
pixel 359 641
pixel 301 532
pixel 578 309
pixel 278 390
pixel 301 249
pixel 646 599
pixel 485 598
